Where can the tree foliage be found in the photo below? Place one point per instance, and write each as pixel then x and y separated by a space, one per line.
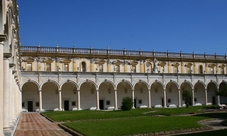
pixel 127 103
pixel 222 92
pixel 187 97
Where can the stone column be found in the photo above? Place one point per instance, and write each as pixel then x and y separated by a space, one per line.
pixel 1 87
pixel 179 98
pixel 6 92
pixel 40 101
pixel 164 95
pixel 78 99
pixel 149 98
pixel 59 101
pixel 193 97
pixel 206 96
pixel 115 100
pixel 133 97
pixel 97 100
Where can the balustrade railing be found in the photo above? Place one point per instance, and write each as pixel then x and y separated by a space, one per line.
pixel 33 49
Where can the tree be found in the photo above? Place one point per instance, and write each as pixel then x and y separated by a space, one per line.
pixel 222 92
pixel 127 103
pixel 187 97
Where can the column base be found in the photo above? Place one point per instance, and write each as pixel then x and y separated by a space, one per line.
pixel 7 131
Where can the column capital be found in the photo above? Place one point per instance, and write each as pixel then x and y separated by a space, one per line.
pixel 2 37
pixel 7 55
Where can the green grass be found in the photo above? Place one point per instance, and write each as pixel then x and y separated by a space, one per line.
pixel 87 114
pixel 134 125
pixel 131 122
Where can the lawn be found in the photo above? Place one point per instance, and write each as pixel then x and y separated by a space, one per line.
pixel 135 121
pixel 134 125
pixel 87 114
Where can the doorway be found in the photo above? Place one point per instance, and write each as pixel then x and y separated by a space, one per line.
pixel 101 104
pixel 134 103
pixel 66 105
pixel 213 100
pixel 30 106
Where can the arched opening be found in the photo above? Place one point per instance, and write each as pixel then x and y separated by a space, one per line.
pixel 69 96
pixel 199 94
pixel 88 96
pixel 223 99
pixel 30 96
pixel 157 96
pixel 172 98
pixel 83 67
pixel 211 94
pixel 185 86
pixel 141 99
pixel 123 90
pixel 106 96
pixel 50 96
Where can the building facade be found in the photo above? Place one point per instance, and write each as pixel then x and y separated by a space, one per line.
pixel 10 81
pixel 55 78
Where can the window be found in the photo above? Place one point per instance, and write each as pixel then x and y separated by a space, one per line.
pixel 22 104
pixel 73 103
pixel 37 104
pixel 169 100
pixel 175 70
pixel 100 68
pixel 83 67
pixel 108 102
pixel 48 67
pixel 133 69
pixel 200 69
pixel 117 68
pixel 211 71
pixel 29 67
pixel 140 101
pixel 188 70
pixel 222 71
pixel 66 67
pixel 195 99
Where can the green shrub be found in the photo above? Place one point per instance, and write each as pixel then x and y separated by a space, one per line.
pixel 127 103
pixel 187 97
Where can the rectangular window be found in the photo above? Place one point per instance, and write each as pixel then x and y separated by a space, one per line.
pixel 108 102
pixel 133 69
pixel 37 104
pixel 117 68
pixel 100 68
pixel 48 67
pixel 169 100
pixel 29 67
pixel 73 103
pixel 22 104
pixel 140 101
pixel 66 67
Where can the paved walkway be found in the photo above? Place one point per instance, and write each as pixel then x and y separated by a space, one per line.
pixel 33 124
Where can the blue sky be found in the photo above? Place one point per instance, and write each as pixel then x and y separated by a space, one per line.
pixel 174 25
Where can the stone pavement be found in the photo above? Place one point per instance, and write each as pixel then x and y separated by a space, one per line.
pixel 33 124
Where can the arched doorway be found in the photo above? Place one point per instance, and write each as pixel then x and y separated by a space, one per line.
pixel 88 96
pixel 141 99
pixel 185 86
pixel 30 96
pixel 199 94
pixel 157 95
pixel 124 89
pixel 211 94
pixel 223 99
pixel 106 96
pixel 172 94
pixel 50 95
pixel 69 96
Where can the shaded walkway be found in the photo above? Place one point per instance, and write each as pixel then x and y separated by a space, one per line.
pixel 33 124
